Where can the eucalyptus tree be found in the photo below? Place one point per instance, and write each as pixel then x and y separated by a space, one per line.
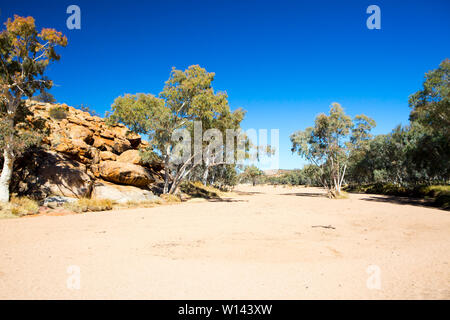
pixel 187 99
pixel 329 143
pixel 25 54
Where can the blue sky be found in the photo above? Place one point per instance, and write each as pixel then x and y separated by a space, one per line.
pixel 282 61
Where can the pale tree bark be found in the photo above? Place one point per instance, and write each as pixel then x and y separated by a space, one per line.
pixel 166 174
pixel 8 153
pixel 205 175
pixel 182 172
pixel 5 177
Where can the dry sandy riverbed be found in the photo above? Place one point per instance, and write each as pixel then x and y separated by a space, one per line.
pixel 257 244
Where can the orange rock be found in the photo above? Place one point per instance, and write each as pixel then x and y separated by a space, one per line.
pixel 107 155
pixel 125 173
pixel 130 156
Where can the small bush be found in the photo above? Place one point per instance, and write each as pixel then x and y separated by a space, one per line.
pixel 58 113
pixel 170 198
pixel 142 204
pixel 87 109
pixel 85 205
pixel 18 206
pixel 341 195
pixel 5 211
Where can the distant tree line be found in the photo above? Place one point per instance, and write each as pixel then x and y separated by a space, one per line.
pixel 343 152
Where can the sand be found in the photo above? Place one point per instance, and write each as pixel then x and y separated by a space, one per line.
pixel 259 243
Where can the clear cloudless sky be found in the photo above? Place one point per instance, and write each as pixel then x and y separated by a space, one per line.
pixel 282 61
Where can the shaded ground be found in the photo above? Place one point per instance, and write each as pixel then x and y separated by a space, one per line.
pixel 261 243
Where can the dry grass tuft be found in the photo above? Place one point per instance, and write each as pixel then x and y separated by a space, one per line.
pixel 141 204
pixel 85 205
pixel 168 198
pixel 18 206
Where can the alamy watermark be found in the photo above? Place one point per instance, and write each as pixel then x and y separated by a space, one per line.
pixel 74 20
pixel 373 282
pixel 231 146
pixel 374 20
pixel 73 281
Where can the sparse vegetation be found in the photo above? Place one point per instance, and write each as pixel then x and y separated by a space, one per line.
pixel 167 197
pixel 58 113
pixel 141 204
pixel 252 174
pixel 85 205
pixel 18 206
pixel 44 96
pixel 88 109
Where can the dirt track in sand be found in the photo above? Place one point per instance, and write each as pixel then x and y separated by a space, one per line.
pixel 259 243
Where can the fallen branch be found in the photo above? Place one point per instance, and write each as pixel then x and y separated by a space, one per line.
pixel 326 227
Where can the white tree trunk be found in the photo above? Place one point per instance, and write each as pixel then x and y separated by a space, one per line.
pixel 205 175
pixel 166 174
pixel 5 177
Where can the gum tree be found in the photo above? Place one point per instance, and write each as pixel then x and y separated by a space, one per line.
pixel 330 142
pixel 187 97
pixel 24 56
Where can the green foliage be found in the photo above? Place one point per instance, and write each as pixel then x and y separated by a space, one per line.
pixel 252 174
pixel 45 97
pixel 431 105
pixel 187 96
pixel 58 112
pixel 24 55
pixel 87 109
pixel 329 144
pixel 417 154
pixel 308 176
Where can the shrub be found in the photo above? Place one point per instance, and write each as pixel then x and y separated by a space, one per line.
pixel 170 198
pixel 142 204
pixel 19 206
pixel 87 109
pixel 341 195
pixel 58 113
pixel 85 204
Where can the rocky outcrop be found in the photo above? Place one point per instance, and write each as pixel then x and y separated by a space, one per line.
pixel 82 151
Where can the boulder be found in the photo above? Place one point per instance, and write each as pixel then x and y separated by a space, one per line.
pixel 119 193
pixel 125 173
pixel 130 156
pixel 103 144
pixel 121 145
pixel 57 201
pixel 107 155
pixel 78 132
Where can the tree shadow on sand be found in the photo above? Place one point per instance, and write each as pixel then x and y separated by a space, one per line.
pixel 246 193
pixel 305 194
pixel 403 201
pixel 225 200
